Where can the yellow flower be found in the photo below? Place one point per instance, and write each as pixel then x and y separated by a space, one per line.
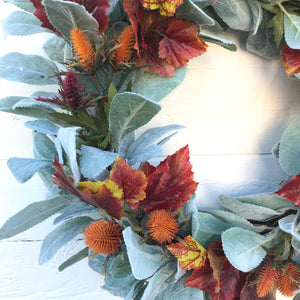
pixel 167 7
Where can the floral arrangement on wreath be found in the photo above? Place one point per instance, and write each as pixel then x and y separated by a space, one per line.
pixel 113 62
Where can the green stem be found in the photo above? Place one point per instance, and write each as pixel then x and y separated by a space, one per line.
pixel 96 84
pixel 288 15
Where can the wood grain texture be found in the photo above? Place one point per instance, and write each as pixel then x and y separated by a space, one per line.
pixel 235 106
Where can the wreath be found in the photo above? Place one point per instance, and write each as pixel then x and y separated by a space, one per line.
pixel 141 227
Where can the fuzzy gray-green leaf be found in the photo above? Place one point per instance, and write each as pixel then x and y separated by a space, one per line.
pixel 62 14
pixel 128 112
pixel 31 69
pixel 292 30
pixel 32 215
pixel 289 151
pixel 243 248
pixel 60 236
pixel 144 82
pixel 22 23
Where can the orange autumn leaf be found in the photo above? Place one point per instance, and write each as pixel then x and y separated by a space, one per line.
pixel 291 60
pixel 171 183
pixel 181 43
pixel 132 182
pixel 190 254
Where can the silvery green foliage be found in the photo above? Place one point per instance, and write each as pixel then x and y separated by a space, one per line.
pixel 30 69
pixel 160 280
pixel 61 235
pixel 43 126
pixel 62 15
pixel 238 14
pixel 219 41
pixel 58 49
pixel 143 83
pixel 289 149
pixel 207 229
pixel 191 12
pixel 24 168
pixel 129 111
pixel 22 23
pixel 43 147
pixel 243 248
pixel 146 145
pixel 292 30
pixel 32 215
pixel 23 4
pixel 74 210
pixel 67 138
pixel 93 161
pixel 144 259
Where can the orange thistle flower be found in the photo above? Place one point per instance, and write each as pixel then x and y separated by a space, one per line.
pixel 83 49
pixel 103 237
pixel 162 226
pixel 126 42
pixel 266 279
pixel 289 280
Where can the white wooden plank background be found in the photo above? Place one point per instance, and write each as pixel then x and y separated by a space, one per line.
pixel 235 107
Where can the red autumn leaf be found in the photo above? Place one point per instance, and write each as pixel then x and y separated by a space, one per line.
pixel 190 254
pixel 103 199
pixel 181 43
pixel 171 184
pixel 149 31
pixel 97 8
pixel 132 182
pixel 221 280
pixel 40 13
pixel 147 168
pixel 291 59
pixel 291 190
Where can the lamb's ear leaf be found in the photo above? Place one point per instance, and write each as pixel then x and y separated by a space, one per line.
pixel 144 82
pixel 22 23
pixel 24 168
pixel 74 259
pixel 129 111
pixel 144 259
pixel 93 161
pixel 63 13
pixel 30 69
pixel 243 248
pixel 61 235
pixel 32 215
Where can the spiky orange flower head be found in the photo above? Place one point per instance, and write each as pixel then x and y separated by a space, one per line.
pixel 125 42
pixel 266 279
pixel 162 226
pixel 83 49
pixel 103 237
pixel 289 280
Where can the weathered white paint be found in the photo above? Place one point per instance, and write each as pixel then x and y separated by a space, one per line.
pixel 235 106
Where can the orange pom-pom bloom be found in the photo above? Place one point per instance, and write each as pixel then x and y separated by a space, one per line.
pixel 126 42
pixel 266 280
pixel 103 237
pixel 162 226
pixel 289 281
pixel 83 49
